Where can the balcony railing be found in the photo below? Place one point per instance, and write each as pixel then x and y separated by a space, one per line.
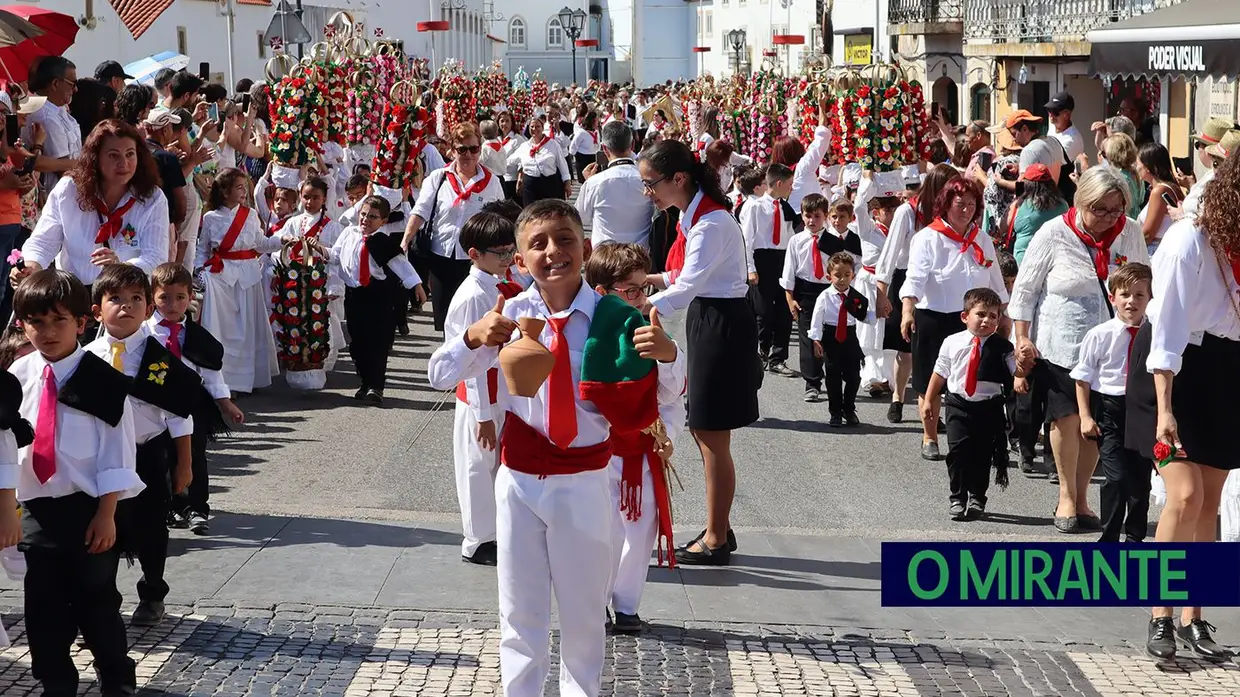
pixel 925 11
pixel 1045 21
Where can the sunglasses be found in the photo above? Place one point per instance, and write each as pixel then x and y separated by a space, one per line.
pixel 468 149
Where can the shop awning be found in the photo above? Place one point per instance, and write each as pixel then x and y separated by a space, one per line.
pixel 1193 39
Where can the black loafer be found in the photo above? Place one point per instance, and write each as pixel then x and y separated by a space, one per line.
pixel 627 624
pixel 895 412
pixel 1196 636
pixel 850 419
pixel 721 556
pixel 487 554
pixel 837 421
pixel 731 539
pixel 1069 525
pixel 361 392
pixel 1160 638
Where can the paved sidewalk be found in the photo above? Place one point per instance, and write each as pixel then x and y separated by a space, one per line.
pixel 303 606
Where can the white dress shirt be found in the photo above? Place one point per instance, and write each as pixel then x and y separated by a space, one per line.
pixel 545 163
pixel 450 216
pixel 1192 295
pixel 345 265
pixel 715 265
pixel 799 261
pixel 242 273
pixel 614 202
pixel 66 234
pixel 63 137
pixel 827 313
pixel 511 144
pixel 494 156
pixel 894 254
pixel 1103 361
pixel 939 274
pixel 700 144
pixel 91 456
pixel 454 361
pixel 757 223
pixel 148 420
pixel 953 365
pixel 1057 288
pixel 297 227
pixel 431 158
pixel 213 380
pixel 584 143
pixel 805 174
pixel 473 299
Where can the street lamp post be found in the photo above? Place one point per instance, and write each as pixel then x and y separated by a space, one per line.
pixel 572 22
pixel 736 38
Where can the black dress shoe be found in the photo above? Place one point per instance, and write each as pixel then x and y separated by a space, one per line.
pixel 1026 465
pixel 375 397
pixel 486 555
pixel 720 556
pixel 731 539
pixel 627 624
pixel 1160 639
pixel 1091 523
pixel 361 392
pixel 836 421
pixel 850 418
pixel 148 613
pixel 895 412
pixel 976 510
pixel 1196 636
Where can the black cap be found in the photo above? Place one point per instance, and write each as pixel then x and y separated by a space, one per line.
pixel 1061 102
pixel 110 69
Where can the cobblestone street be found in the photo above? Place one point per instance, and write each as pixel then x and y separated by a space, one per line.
pixel 224 650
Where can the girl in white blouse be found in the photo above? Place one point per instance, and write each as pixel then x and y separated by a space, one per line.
pixel 1059 296
pixel 1191 346
pixel 542 167
pixel 947 258
pixel 721 331
pixel 108 209
pixel 231 245
pixel 584 146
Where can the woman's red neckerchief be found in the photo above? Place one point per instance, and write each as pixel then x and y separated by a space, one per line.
pixel 1100 249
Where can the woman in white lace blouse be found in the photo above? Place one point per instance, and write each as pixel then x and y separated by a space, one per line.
pixel 1060 294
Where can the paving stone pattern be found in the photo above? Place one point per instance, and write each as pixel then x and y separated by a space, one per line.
pixel 221 650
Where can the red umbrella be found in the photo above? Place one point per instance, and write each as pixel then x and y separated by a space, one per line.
pixel 59 31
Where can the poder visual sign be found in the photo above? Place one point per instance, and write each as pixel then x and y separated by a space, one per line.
pixel 1181 58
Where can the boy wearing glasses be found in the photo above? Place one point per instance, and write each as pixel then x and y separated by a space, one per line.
pixel 358 269
pixel 490 241
pixel 641 507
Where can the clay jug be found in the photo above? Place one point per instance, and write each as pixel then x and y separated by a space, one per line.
pixel 526 363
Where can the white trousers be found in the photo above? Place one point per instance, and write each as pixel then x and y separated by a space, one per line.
pixel 632 541
pixel 475 478
pixel 553 534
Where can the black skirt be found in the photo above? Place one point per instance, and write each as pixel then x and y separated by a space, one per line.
pixel 725 371
pixel 580 162
pixel 1056 391
pixel 893 340
pixel 931 329
pixel 1203 401
pixel 535 189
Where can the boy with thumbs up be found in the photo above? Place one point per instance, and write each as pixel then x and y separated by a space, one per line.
pixel 641 508
pixel 553 505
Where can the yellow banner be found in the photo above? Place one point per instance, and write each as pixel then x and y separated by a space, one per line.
pixel 857 49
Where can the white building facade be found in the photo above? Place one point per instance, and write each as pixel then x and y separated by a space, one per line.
pixel 201 30
pixel 647 41
pixel 761 21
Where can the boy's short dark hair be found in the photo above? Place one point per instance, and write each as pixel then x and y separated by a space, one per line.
pixel 171 274
pixel 1007 264
pixel 286 192
pixel 378 203
pixel 504 207
pixel 814 203
pixel 357 181
pixel 613 262
pixel 884 203
pixel 776 173
pixel 841 259
pixel 839 205
pixel 748 177
pixel 44 291
pixel 116 277
pixel 487 231
pixel 187 119
pixel 548 209
pixel 315 182
pixel 1129 275
pixel 981 296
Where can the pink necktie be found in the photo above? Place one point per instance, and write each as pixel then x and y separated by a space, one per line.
pixel 174 336
pixel 44 453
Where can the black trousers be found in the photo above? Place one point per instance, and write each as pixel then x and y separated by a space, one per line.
pixel 972 428
pixel 68 590
pixel 369 317
pixel 510 189
pixel 1125 495
pixel 771 305
pixel 149 516
pixel 841 369
pixel 196 497
pixel 446 275
pixel 806 294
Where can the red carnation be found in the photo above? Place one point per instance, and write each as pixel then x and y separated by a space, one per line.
pixel 1163 453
